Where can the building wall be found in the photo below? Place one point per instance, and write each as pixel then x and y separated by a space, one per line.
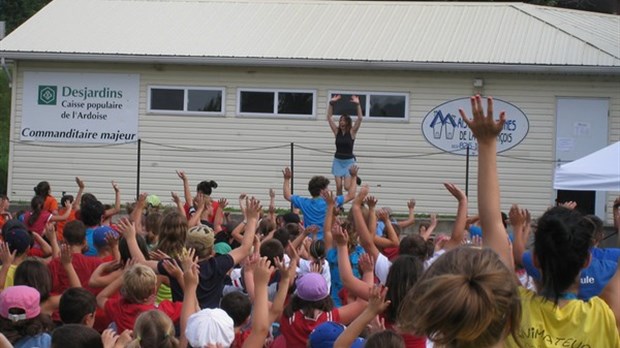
pixel 247 154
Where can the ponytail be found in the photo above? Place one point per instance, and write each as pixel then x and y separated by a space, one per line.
pixel 36 204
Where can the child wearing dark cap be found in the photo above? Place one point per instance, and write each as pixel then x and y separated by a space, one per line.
pixel 13 251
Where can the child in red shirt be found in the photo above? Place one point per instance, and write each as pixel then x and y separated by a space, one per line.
pixel 138 287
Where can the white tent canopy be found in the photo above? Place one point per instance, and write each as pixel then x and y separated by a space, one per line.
pixel 598 171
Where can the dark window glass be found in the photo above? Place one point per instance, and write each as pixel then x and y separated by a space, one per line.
pixel 257 102
pixel 167 99
pixel 345 106
pixel 295 103
pixel 204 100
pixel 387 106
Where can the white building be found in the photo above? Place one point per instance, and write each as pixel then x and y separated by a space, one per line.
pixel 265 71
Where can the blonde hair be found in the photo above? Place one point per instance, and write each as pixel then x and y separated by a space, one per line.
pixel 172 234
pixel 467 298
pixel 154 329
pixel 139 284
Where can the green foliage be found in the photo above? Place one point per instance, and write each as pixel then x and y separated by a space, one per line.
pixel 16 12
pixel 5 121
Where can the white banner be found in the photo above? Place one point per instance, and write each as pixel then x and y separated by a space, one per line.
pixel 80 107
pixel 444 128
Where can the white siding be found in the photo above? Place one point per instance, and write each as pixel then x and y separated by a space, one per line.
pixel 209 140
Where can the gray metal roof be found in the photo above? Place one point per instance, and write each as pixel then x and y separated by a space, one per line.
pixel 469 36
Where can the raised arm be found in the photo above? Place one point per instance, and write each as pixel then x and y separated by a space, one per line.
pixel 358 122
pixel 186 191
pixel 260 315
pixel 136 213
pixel 356 287
pixel 128 229
pixel 391 238
pixel 78 197
pixel 286 184
pixel 353 187
pixel 330 199
pixel 411 218
pixel 376 305
pixel 177 202
pixel 190 301
pixel 219 215
pixel 520 230
pixel 366 240
pixel 117 202
pixel 486 130
pixel 66 258
pixel 330 113
pixel 252 212
pixel 65 216
pixel 431 228
pixel 201 202
pixel 272 205
pixel 458 229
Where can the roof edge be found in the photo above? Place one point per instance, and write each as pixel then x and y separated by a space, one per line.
pixel 315 63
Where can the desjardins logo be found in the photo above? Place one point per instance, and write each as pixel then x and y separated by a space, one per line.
pixel 47 95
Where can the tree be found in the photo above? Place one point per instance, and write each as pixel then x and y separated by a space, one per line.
pixel 16 12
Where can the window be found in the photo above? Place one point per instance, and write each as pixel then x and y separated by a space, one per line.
pixel 288 103
pixel 378 105
pixel 187 100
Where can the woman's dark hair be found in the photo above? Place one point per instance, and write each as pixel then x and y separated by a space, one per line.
pixel 206 187
pixel 272 249
pixel 347 121
pixel 35 274
pixel 42 189
pixel 123 248
pixel 562 246
pixel 36 204
pixel 599 232
pixel 238 306
pixel 307 307
pixel 14 331
pixel 403 275
pixel 76 336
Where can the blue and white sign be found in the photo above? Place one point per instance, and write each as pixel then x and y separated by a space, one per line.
pixel 444 128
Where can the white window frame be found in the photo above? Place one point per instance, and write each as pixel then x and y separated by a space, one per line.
pixel 186 90
pixel 366 108
pixel 275 113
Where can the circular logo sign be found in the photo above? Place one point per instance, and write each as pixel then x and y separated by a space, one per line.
pixel 444 128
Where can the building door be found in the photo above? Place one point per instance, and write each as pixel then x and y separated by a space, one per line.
pixel 581 128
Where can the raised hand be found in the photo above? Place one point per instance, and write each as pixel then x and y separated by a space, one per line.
pixel 455 191
pixel 361 195
pixel 382 214
pixel 181 175
pixel 272 193
pixel 335 98
pixel 340 235
pixel 109 338
pixel 65 254
pixel 50 231
pixel 158 255
pixel 371 201
pixel 411 204
pixel 262 272
pixel 127 228
pixel 517 216
pixel 485 128
pixel 191 275
pixel 222 203
pixel 367 263
pixel 376 301
pixel 175 198
pixel 79 182
pixel 355 99
pixel 329 197
pixel 312 229
pixel 316 267
pixel 253 208
pixel 172 267
pixel 6 256
pixel 142 198
pixel 569 205
pixel 115 187
pixel 353 170
pixel 286 173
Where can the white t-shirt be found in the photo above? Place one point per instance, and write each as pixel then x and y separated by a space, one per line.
pixel 383 264
pixel 304 268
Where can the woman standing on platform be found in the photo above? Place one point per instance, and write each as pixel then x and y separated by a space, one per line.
pixel 345 132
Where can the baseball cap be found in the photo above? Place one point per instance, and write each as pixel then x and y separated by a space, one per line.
pixel 153 200
pixel 18 240
pixel 201 234
pixel 222 248
pixel 210 326
pixel 312 287
pixel 326 334
pixel 100 233
pixel 20 297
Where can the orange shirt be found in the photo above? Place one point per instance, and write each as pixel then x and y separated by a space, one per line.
pixel 60 225
pixel 50 204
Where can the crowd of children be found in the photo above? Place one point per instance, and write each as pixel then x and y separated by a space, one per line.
pixel 192 276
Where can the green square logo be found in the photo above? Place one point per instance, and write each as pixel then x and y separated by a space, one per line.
pixel 47 95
